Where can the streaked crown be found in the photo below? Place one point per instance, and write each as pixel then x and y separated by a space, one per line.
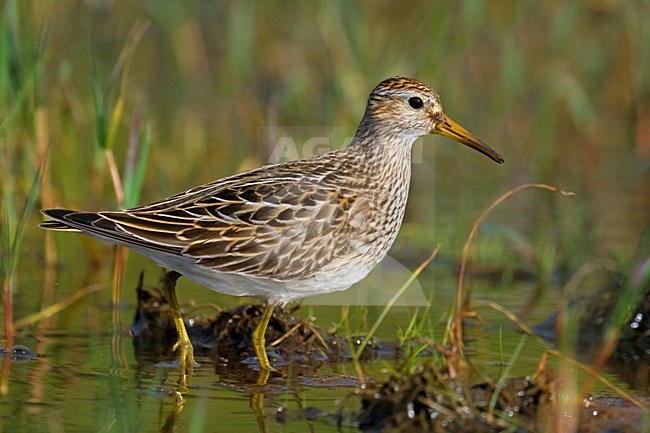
pixel 404 105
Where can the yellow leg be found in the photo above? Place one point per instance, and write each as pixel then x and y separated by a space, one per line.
pixel 259 342
pixel 183 344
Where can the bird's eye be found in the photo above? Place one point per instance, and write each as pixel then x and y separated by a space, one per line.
pixel 416 102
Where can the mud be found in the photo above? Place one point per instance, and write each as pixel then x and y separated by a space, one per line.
pixel 430 400
pixel 226 336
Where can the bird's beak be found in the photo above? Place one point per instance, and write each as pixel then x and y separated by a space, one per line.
pixel 447 127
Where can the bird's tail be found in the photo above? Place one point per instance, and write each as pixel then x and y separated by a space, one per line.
pixel 58 220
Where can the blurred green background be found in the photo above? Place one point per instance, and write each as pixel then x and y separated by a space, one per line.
pixel 561 89
pixel 203 89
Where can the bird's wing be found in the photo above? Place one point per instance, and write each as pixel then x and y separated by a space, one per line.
pixel 278 224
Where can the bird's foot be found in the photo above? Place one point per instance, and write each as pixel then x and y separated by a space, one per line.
pixel 263 359
pixel 185 360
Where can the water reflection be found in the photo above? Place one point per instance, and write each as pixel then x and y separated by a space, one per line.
pixel 18 354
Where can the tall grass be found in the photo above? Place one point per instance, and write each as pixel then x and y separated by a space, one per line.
pixel 22 163
pixel 535 82
pixel 24 125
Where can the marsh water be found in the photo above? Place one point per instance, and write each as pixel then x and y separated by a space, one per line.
pixel 87 378
pixel 210 89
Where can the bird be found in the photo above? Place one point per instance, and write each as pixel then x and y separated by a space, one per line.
pixel 285 231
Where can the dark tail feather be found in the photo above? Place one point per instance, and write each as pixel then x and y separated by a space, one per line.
pixel 56 225
pixel 58 220
pixel 94 224
pixel 68 220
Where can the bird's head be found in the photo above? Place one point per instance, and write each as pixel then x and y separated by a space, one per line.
pixel 408 107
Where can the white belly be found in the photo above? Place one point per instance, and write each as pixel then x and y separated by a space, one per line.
pixel 278 291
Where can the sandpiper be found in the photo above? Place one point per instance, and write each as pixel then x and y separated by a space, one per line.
pixel 286 231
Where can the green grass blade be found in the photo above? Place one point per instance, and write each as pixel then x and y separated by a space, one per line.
pixel 630 295
pixel 390 304
pixel 134 172
pixel 506 372
pixel 100 112
pixel 28 209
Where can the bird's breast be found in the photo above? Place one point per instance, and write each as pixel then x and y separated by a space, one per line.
pixel 377 215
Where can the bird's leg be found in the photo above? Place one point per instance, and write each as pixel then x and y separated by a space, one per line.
pixel 259 342
pixel 183 343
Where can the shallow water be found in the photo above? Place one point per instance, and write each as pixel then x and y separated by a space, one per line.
pixel 87 378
